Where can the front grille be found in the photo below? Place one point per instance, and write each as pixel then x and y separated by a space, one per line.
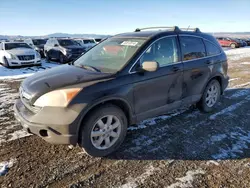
pixel 26 57
pixel 27 63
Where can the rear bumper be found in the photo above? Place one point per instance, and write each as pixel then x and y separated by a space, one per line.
pixel 59 134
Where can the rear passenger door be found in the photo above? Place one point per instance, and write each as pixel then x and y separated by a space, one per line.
pixel 196 67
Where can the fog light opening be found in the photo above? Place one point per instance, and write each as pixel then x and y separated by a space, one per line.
pixel 43 133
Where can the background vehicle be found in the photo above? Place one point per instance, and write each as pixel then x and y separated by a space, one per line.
pixel 62 49
pixel 37 44
pixel 247 40
pixel 228 42
pixel 242 42
pixel 18 54
pixel 86 43
pixel 139 75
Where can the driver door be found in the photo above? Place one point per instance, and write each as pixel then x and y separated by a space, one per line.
pixel 157 92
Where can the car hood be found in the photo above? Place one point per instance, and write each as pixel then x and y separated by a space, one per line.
pixel 58 77
pixel 21 51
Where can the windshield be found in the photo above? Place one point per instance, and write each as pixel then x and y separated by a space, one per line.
pixel 38 41
pixel 9 46
pixel 98 40
pixel 88 41
pixel 68 42
pixel 110 55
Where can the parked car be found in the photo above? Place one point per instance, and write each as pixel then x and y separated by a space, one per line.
pixel 62 49
pixel 18 54
pixel 37 44
pixel 247 41
pixel 92 101
pixel 86 43
pixel 228 42
pixel 242 42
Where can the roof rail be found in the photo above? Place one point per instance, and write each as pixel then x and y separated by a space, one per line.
pixel 173 28
pixel 196 29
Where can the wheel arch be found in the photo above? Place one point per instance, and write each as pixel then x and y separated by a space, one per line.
pixel 119 102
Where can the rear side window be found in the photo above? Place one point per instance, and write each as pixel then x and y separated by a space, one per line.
pixel 211 48
pixel 192 48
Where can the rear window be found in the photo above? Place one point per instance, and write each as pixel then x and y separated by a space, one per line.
pixel 88 41
pixel 39 41
pixel 68 42
pixel 211 48
pixel 192 48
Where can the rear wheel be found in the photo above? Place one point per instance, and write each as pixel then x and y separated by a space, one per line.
pixel 210 96
pixel 104 131
pixel 233 45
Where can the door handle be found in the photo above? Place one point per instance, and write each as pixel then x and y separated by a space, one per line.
pixel 175 69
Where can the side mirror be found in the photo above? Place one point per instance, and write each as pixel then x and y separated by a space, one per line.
pixel 149 66
pixel 56 45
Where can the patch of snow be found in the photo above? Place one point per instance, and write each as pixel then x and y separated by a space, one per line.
pixel 240 139
pixel 228 109
pixel 186 181
pixel 232 79
pixel 237 54
pixel 218 138
pixel 23 72
pixel 241 85
pixel 4 166
pixel 245 63
pixel 154 121
pixel 133 182
pixel 212 162
pixel 18 134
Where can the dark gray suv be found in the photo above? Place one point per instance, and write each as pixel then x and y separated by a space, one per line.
pixel 62 49
pixel 122 81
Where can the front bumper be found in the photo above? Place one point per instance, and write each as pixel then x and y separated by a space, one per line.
pixel 17 62
pixel 52 133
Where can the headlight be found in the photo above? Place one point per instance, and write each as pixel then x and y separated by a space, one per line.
pixel 67 51
pixel 59 98
pixel 38 55
pixel 12 56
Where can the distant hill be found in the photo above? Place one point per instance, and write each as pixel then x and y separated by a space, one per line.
pixel 56 35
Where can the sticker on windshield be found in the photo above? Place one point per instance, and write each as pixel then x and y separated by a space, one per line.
pixel 129 43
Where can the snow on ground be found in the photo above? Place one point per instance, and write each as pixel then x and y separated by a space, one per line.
pixel 23 72
pixel 187 180
pixel 238 53
pixel 4 166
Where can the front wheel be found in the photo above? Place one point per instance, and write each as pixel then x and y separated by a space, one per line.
pixel 104 131
pixel 210 96
pixel 233 45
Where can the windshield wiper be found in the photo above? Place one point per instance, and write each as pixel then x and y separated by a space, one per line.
pixel 88 67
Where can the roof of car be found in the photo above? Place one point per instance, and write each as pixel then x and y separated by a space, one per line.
pixel 151 32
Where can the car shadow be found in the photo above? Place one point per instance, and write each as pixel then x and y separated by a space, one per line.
pixel 193 135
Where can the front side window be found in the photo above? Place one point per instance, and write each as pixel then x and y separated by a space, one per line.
pixel 88 41
pixel 10 46
pixel 163 51
pixel 110 55
pixel 211 48
pixel 192 48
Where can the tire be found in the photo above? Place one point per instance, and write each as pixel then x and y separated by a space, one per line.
pixel 207 104
pixel 6 63
pixel 233 45
pixel 61 58
pixel 89 141
pixel 47 56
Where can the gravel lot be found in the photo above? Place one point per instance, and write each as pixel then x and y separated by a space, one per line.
pixel 185 148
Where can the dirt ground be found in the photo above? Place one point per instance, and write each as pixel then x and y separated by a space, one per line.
pixel 186 148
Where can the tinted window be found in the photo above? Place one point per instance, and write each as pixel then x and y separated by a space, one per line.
pixel 67 42
pixel 88 41
pixel 211 48
pixel 192 48
pixel 39 41
pixel 163 51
